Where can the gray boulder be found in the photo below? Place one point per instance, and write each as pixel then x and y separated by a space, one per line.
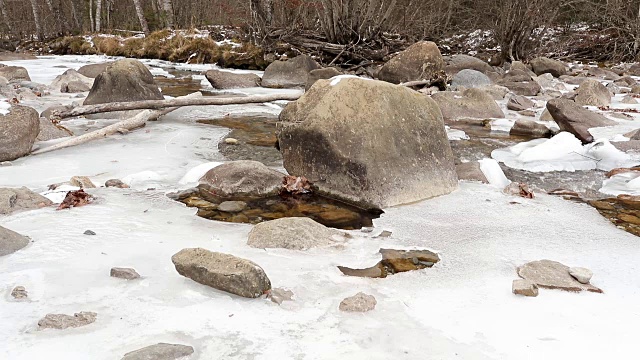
pixel 124 80
pixel 222 271
pixel 471 103
pixel 93 70
pixel 296 233
pixel 627 81
pixel 318 74
pixel 420 61
pixel 18 131
pixel 228 80
pixel 470 79
pixel 601 73
pixel 50 131
pixel 575 119
pixel 14 73
pixel 242 178
pixel 542 65
pixel 592 92
pixel 368 142
pixel 160 351
pixel 11 241
pixel 456 63
pixel 71 81
pixel 292 73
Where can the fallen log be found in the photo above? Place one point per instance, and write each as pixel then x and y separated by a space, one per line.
pixel 162 104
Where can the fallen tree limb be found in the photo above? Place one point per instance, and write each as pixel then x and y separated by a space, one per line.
pixel 161 104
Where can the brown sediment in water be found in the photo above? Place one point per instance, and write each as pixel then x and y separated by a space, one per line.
pixel 623 211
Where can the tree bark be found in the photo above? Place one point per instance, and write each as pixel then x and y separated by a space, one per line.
pixel 5 16
pixel 98 15
pixel 91 16
pixel 167 6
pixel 37 19
pixel 140 12
pixel 74 13
pixel 161 104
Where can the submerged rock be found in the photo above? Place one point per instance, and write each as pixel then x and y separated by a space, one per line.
pixel 62 321
pixel 21 199
pixel 359 302
pixel 296 233
pixel 395 261
pixel 293 73
pixel 242 178
pixel 524 287
pixel 575 119
pixel 420 61
pixel 553 275
pixel 19 129
pixel 529 128
pixel 368 142
pixel 471 103
pixel 222 271
pixel 160 351
pixel 232 206
pixel 11 241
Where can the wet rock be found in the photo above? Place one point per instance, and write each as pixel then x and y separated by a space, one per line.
pixel 471 103
pixel 583 275
pixel 592 92
pixel 116 183
pixel 529 128
pixel 221 80
pixel 82 182
pixel 323 138
pixel 319 74
pixel 232 206
pixel 93 70
pixel 575 119
pixel 279 295
pixel 526 88
pixel 470 79
pixel 395 261
pixel 471 171
pixel 553 275
pixel 222 271
pixel 123 80
pixel 295 233
pixel 519 103
pixel 524 287
pixel 11 241
pixel 89 232
pixel 71 81
pixel 50 131
pixel 456 63
pixel 542 65
pixel 20 199
pixel 293 73
pixel 19 293
pixel 124 273
pixel 62 321
pixel 14 73
pixel 160 351
pixel 420 61
pixel 359 302
pixel 19 129
pixel 242 178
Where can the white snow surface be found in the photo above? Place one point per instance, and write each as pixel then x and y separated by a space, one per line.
pixel 5 107
pixel 494 174
pixel 625 183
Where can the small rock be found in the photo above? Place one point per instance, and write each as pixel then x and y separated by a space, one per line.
pixel 384 234
pixel 6 163
pixel 231 141
pixel 524 287
pixel 63 321
pixel 279 295
pixel 232 206
pixel 553 275
pixel 89 232
pixel 160 351
pixel 19 293
pixel 519 102
pixel 116 183
pixel 124 273
pixel 583 275
pixel 82 182
pixel 360 302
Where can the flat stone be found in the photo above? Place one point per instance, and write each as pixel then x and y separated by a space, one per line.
pixel 62 321
pixel 232 206
pixel 519 102
pixel 553 275
pixel 583 275
pixel 124 273
pixel 359 302
pixel 294 233
pixel 19 293
pixel 160 351
pixel 524 287
pixel 279 295
pixel 11 241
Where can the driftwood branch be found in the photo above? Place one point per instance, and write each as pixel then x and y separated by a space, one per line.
pixel 161 104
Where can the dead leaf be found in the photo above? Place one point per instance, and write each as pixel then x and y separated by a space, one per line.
pixel 75 198
pixel 296 185
pixel 519 189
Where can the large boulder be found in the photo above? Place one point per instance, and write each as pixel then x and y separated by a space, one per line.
pixel 575 119
pixel 11 241
pixel 456 63
pixel 318 74
pixel 471 103
pixel 420 61
pixel 14 73
pixel 124 80
pixel 368 142
pixel 20 199
pixel 468 78
pixel 71 81
pixel 242 179
pixel 592 92
pixel 160 351
pixel 93 70
pixel 222 271
pixel 294 233
pixel 18 131
pixel 229 80
pixel 601 73
pixel 542 65
pixel 293 73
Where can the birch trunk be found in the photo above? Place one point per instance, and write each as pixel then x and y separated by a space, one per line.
pixel 38 19
pixel 91 16
pixel 140 12
pixel 167 6
pixel 98 14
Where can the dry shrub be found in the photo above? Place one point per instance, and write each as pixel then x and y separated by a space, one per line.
pixel 197 50
pixel 108 45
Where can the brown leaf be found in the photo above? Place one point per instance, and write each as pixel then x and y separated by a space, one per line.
pixel 75 199
pixel 519 189
pixel 296 185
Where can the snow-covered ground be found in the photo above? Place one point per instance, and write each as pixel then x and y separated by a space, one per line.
pixel 462 308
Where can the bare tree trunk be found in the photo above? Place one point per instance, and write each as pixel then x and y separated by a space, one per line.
pixel 91 15
pixel 37 19
pixel 74 13
pixel 5 16
pixel 98 14
pixel 167 6
pixel 140 12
